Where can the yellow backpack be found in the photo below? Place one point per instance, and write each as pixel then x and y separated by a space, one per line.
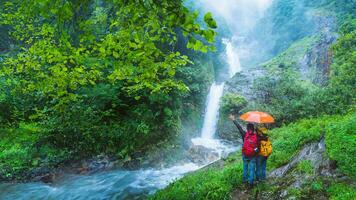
pixel 265 148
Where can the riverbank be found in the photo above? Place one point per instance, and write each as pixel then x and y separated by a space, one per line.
pixel 289 142
pixel 157 156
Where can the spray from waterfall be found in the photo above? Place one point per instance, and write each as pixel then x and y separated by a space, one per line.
pixel 240 15
pixel 213 102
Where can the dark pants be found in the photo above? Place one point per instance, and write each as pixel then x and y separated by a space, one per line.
pixel 249 169
pixel 261 168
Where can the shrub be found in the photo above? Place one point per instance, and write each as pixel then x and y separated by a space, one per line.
pixel 341 143
pixel 316 186
pixel 305 166
pixel 17 149
pixel 339 191
pixel 232 103
pixel 287 140
pixel 21 150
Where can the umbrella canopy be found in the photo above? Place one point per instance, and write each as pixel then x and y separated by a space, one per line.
pixel 257 117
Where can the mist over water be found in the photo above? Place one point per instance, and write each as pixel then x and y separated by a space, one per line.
pixel 239 15
pixel 237 20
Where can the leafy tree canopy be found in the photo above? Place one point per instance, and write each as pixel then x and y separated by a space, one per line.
pixel 66 45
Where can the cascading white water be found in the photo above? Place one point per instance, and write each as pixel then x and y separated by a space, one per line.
pixel 242 15
pixel 213 104
pixel 212 110
pixel 210 119
pixel 233 59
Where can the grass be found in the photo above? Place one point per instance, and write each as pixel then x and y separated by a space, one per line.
pixel 207 184
pixel 305 167
pixel 293 54
pixel 287 141
pixel 341 191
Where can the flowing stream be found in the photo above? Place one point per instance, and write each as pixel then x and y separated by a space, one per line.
pixel 123 184
pixel 119 184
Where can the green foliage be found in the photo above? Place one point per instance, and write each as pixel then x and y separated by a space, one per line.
pixel 339 133
pixel 207 184
pixel 15 156
pixel 287 141
pixel 292 20
pixel 232 103
pixel 101 77
pixel 288 97
pixel 340 191
pixel 317 186
pixel 283 94
pixel 208 18
pixel 287 22
pixel 21 150
pixel 341 143
pixel 342 83
pixel 293 54
pixel 305 166
pixel 295 193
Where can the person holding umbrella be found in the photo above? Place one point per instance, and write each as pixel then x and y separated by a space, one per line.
pixel 251 148
pixel 249 151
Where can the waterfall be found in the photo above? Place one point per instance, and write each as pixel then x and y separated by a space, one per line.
pixel 212 110
pixel 213 103
pixel 232 58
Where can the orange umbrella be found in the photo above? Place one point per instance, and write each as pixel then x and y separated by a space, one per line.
pixel 257 117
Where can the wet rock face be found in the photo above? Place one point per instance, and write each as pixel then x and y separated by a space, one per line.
pixel 288 179
pixel 312 152
pixel 201 155
pixel 241 84
pixel 99 163
pixel 45 175
pixel 228 131
pixel 50 175
pixel 315 65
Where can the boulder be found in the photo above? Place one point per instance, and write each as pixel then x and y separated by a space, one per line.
pixel 202 155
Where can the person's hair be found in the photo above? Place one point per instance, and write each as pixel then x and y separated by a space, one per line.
pixel 250 127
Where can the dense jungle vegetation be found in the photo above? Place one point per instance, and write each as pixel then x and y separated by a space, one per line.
pixel 80 78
